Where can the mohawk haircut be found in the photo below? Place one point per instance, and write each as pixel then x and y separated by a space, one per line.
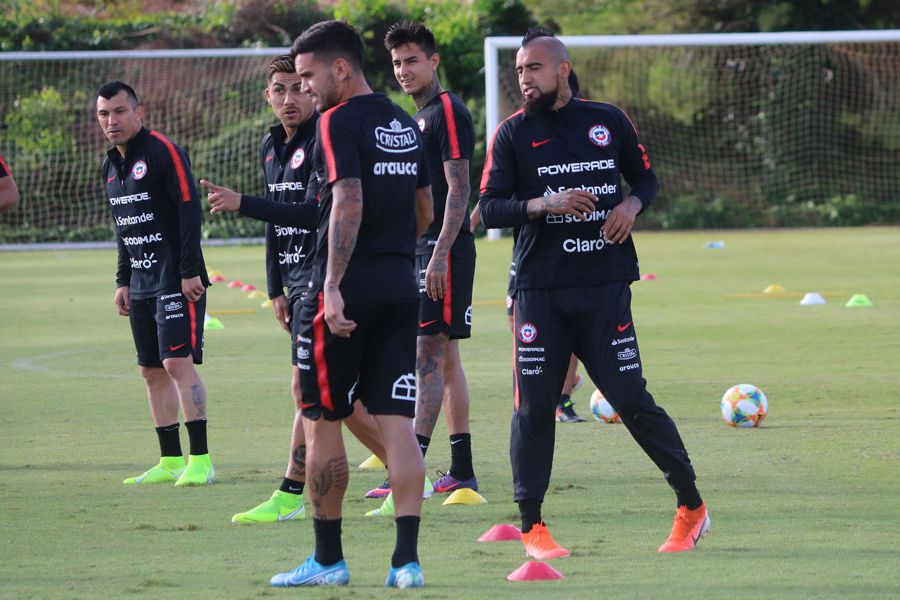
pixel 331 40
pixel 410 32
pixel 539 31
pixel 280 64
pixel 111 89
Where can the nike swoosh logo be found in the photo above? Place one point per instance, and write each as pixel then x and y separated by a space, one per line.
pixel 269 157
pixel 110 180
pixel 454 442
pixel 622 328
pixel 450 487
pixel 174 348
pixel 291 514
pixel 426 323
pixel 696 539
pixel 293 489
pixel 535 144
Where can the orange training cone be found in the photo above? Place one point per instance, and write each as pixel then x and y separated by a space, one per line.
pixel 234 283
pixel 501 533
pixel 248 287
pixel 534 571
pixel 216 279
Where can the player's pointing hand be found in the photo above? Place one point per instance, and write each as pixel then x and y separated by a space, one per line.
pixel 221 198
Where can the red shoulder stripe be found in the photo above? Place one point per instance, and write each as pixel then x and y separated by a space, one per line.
pixel 180 171
pixel 5 168
pixel 451 125
pixel 489 161
pixel 327 146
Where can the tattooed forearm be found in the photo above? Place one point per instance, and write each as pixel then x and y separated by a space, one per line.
pixel 457 173
pixel 343 227
pixel 298 462
pixel 198 397
pixel 429 382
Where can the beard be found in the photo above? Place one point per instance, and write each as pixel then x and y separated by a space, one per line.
pixel 541 104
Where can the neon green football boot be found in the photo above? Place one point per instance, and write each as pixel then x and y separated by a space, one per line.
pixel 280 507
pixel 387 507
pixel 199 471
pixel 168 470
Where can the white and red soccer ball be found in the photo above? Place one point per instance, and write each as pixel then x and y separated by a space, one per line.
pixel 744 406
pixel 602 410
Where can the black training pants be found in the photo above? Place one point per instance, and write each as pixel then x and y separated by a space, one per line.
pixel 595 323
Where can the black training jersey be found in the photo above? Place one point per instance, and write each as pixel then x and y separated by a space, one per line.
pixel 157 212
pixel 584 145
pixel 4 170
pixel 286 166
pixel 370 138
pixel 447 129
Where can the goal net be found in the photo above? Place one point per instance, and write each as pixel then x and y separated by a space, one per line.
pixel 208 101
pixel 746 130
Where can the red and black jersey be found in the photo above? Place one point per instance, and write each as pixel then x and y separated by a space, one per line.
pixel 157 214
pixel 286 166
pixel 447 129
pixel 370 138
pixel 584 145
pixel 4 169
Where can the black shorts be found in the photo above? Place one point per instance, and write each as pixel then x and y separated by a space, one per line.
pixel 296 296
pixel 453 313
pixel 378 359
pixel 167 326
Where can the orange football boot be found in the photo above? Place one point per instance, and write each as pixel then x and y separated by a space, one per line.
pixel 540 545
pixel 688 528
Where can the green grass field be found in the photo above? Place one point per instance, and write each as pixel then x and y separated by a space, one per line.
pixel 805 506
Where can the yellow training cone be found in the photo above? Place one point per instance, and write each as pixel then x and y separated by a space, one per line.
pixel 372 463
pixel 266 304
pixel 255 295
pixel 465 496
pixel 773 289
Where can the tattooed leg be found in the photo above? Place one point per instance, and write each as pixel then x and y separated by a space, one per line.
pixel 327 468
pixel 430 350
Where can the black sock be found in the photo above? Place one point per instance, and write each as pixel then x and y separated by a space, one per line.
pixel 689 496
pixel 530 509
pixel 563 400
pixel 423 443
pixel 328 541
pixel 197 436
pixel 406 550
pixel 291 486
pixel 461 456
pixel 169 441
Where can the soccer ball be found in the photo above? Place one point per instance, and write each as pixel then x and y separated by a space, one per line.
pixel 744 405
pixel 603 410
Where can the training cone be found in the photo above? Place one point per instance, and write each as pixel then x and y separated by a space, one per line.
pixel 216 279
pixel 248 287
pixel 719 245
pixel 212 323
pixel 858 300
pixel 501 533
pixel 234 283
pixel 648 277
pixel 534 571
pixel 371 463
pixel 812 298
pixel 266 304
pixel 464 496
pixel 773 289
pixel 255 295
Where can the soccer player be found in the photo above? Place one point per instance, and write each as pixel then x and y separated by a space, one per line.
pixel 9 193
pixel 445 255
pixel 161 278
pixel 553 171
pixel 358 325
pixel 285 156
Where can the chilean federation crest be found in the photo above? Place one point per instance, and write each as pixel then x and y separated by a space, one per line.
pixel 599 136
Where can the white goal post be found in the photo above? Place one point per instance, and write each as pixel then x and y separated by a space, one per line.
pixel 492 46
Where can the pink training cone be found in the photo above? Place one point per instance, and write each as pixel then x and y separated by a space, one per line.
pixel 234 283
pixel 216 279
pixel 534 571
pixel 248 287
pixel 501 533
pixel 648 277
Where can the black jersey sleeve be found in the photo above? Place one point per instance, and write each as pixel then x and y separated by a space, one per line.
pixel 287 214
pixel 274 283
pixel 635 165
pixel 179 182
pixel 499 207
pixel 340 147
pixel 123 270
pixel 423 176
pixel 457 135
